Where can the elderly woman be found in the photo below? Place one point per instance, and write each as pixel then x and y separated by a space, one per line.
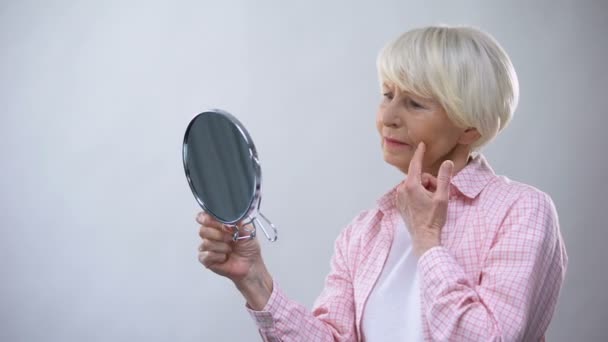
pixel 452 253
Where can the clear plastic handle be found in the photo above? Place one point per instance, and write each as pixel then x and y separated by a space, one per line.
pixel 259 224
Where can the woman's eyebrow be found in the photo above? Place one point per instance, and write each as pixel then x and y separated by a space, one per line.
pixel 418 98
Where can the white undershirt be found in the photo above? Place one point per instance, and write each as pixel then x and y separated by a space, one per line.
pixel 392 311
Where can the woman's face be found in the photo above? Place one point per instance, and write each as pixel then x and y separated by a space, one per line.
pixel 404 120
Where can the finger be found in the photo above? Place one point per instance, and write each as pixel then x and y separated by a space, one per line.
pixel 200 216
pixel 429 182
pixel 248 226
pixel 444 177
pixel 425 181
pixel 415 168
pixel 209 259
pixel 399 196
pixel 206 219
pixel 401 188
pixel 214 234
pixel 215 246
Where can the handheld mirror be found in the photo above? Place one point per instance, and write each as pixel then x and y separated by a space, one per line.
pixel 224 173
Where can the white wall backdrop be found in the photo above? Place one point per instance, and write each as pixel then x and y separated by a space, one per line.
pixel 97 233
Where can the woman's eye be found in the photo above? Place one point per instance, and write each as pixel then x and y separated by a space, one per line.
pixel 415 104
pixel 388 95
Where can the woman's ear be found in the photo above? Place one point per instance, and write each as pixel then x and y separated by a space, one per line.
pixel 469 136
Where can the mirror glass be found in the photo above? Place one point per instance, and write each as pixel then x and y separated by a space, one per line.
pixel 219 165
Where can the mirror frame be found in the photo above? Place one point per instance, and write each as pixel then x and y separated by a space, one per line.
pixel 255 201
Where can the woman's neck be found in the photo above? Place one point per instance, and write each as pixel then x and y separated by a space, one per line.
pixel 459 155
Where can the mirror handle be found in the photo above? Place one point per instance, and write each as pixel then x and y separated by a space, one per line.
pixel 259 224
pixel 236 233
pixel 251 233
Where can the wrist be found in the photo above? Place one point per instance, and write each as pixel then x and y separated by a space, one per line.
pixel 427 240
pixel 256 287
pixel 423 249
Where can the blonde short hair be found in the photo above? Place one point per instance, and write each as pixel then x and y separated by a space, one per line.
pixel 462 68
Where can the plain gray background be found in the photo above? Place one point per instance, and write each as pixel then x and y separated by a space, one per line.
pixel 97 233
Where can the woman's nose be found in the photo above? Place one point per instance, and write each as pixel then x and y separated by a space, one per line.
pixel 390 117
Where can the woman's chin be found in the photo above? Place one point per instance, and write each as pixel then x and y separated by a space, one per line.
pixel 401 162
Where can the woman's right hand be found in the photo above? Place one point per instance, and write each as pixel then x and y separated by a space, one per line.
pixel 219 253
pixel 240 261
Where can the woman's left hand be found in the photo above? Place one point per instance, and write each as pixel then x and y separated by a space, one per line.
pixel 422 201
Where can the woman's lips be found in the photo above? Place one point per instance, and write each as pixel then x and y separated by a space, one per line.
pixel 394 143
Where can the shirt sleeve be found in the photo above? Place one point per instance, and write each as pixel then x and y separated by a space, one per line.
pixel 515 297
pixel 333 316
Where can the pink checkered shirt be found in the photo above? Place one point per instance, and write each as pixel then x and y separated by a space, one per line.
pixel 496 277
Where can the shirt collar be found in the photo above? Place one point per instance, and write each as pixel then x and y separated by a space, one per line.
pixel 474 177
pixel 469 182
